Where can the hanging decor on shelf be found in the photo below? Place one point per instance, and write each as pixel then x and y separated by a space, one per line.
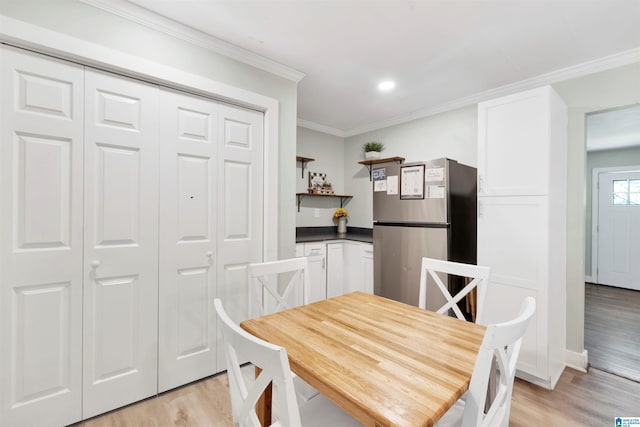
pixel 318 184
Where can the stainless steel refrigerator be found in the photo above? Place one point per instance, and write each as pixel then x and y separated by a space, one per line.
pixel 424 209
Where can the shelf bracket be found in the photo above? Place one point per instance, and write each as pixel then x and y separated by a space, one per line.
pixel 300 196
pixel 303 163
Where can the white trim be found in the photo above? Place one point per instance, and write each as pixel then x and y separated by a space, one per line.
pixel 608 62
pixel 157 22
pixel 588 279
pixel 320 128
pixel 36 38
pixel 577 361
pixel 595 202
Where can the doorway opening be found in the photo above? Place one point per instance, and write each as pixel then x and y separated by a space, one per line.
pixel 612 294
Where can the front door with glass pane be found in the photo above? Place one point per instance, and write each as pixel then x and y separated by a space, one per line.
pixel 619 229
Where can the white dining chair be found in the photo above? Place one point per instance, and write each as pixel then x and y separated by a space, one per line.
pixel 434 267
pixel 502 341
pixel 276 286
pixel 274 364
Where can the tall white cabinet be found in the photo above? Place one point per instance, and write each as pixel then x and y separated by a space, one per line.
pixel 522 221
pixel 125 209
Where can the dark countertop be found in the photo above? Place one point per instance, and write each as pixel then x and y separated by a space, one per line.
pixel 319 234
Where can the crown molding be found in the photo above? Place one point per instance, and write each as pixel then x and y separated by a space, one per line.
pixel 152 20
pixel 602 64
pixel 320 128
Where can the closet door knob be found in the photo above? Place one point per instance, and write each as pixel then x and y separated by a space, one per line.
pixel 95 264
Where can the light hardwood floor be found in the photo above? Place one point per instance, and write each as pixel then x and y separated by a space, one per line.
pixel 612 329
pixel 592 399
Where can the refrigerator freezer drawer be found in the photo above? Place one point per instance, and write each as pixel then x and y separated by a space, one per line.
pixel 398 253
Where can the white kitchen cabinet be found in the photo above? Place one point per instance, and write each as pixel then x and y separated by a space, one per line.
pixel 522 221
pixel 340 266
pixel 317 253
pixel 358 271
pixel 518 139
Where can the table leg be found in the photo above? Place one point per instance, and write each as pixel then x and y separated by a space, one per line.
pixel 263 406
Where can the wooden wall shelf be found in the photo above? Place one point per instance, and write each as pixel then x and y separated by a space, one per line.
pixel 369 163
pixel 342 197
pixel 303 161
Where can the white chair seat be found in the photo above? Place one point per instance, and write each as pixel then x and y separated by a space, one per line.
pixel 322 412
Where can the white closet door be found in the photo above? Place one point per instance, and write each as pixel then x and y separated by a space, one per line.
pixel 187 333
pixel 41 121
pixel 121 242
pixel 240 193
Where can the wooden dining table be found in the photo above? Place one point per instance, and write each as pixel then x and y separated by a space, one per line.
pixel 384 362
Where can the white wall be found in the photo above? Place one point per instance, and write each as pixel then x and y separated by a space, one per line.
pixel 328 152
pixel 84 22
pixel 452 134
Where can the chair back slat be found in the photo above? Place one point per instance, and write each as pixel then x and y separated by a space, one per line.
pixel 268 291
pixel 435 268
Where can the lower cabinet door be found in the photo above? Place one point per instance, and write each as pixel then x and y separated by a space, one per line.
pixel 318 270
pixel 335 269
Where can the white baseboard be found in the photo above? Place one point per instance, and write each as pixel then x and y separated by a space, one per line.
pixel 588 279
pixel 577 361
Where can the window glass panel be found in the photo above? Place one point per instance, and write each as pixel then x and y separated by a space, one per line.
pixel 634 186
pixel 620 186
pixel 634 199
pixel 620 199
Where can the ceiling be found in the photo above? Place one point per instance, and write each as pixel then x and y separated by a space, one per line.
pixel 439 52
pixel 617 128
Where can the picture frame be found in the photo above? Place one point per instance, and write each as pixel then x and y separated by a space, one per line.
pixel 412 182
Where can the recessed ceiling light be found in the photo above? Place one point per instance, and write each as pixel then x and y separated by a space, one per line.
pixel 386 85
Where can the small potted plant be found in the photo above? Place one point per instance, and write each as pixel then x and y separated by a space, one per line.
pixel 340 218
pixel 372 150
pixel 326 188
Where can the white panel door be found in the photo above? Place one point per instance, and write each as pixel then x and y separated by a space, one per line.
pixel 619 229
pixel 41 139
pixel 121 242
pixel 240 195
pixel 187 333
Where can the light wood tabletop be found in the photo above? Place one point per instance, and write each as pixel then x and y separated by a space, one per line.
pixel 384 362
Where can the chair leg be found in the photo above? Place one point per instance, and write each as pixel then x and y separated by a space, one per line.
pixel 263 406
